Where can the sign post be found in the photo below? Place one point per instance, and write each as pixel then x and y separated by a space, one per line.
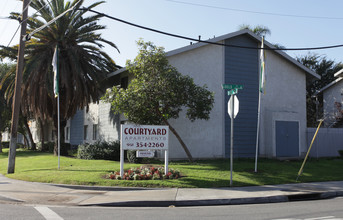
pixel 143 137
pixel 233 109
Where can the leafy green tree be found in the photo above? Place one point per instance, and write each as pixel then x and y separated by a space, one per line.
pixel 259 30
pixel 326 68
pixel 158 92
pixel 83 64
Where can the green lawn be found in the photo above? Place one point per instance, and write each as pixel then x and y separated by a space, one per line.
pixel 42 167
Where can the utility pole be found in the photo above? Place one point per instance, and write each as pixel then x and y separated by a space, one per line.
pixel 17 91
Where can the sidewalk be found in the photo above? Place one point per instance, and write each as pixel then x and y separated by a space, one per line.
pixel 16 191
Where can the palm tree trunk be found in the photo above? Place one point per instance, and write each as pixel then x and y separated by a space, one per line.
pixel 0 142
pixel 28 131
pixel 56 142
pixel 26 141
pixel 189 155
pixel 41 125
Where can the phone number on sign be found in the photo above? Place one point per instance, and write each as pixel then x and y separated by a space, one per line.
pixel 150 144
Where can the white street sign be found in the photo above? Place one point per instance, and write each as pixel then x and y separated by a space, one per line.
pixel 235 104
pixel 145 153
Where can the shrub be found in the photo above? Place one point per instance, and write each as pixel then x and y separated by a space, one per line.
pixel 65 147
pixel 131 157
pixel 340 152
pixel 5 144
pixel 49 147
pixel 99 150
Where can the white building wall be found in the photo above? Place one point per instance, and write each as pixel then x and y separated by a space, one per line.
pixel 90 118
pixel 204 139
pixel 109 125
pixel 284 100
pixel 332 95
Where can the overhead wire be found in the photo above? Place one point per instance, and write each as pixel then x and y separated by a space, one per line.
pixel 48 2
pixel 26 7
pixel 13 36
pixel 21 21
pixel 256 12
pixel 207 42
pixel 5 27
pixel 28 36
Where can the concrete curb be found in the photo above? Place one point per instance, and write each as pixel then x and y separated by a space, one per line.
pixel 22 192
pixel 218 202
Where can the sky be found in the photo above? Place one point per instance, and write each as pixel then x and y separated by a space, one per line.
pixel 293 23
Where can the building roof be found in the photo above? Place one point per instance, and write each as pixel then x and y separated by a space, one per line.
pixel 228 36
pixel 339 76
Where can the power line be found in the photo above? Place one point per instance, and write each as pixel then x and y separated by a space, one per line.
pixel 207 42
pixel 25 20
pixel 5 26
pixel 28 36
pixel 26 7
pixel 256 12
pixel 14 35
pixel 48 2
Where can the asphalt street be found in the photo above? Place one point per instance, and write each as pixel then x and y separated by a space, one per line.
pixel 328 209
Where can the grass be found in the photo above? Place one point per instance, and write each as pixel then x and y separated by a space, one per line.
pixel 42 167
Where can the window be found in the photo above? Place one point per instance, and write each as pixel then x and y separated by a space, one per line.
pixel 95 131
pixel 67 133
pixel 85 132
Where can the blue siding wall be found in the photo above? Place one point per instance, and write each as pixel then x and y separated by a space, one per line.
pixel 76 128
pixel 241 67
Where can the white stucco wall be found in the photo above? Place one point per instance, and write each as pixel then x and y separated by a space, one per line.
pixel 331 96
pixel 108 123
pixel 91 118
pixel 284 100
pixel 205 139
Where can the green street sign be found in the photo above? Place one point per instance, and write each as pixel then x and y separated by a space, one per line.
pixel 232 92
pixel 231 86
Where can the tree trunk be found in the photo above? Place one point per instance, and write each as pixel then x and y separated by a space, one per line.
pixel 190 158
pixel 41 125
pixel 28 131
pixel 63 123
pixel 0 136
pixel 56 142
pixel 26 141
pixel 0 142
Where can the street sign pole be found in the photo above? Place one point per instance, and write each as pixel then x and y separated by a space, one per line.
pixel 232 91
pixel 231 138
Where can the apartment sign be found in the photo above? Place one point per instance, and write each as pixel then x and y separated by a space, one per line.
pixel 144 137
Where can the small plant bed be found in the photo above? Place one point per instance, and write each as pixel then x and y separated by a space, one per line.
pixel 340 152
pixel 145 173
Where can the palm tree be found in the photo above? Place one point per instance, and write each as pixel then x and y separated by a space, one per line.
pixel 5 110
pixel 83 64
pixel 259 30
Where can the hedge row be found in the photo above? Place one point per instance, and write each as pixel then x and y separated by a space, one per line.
pixel 99 150
pixel 105 151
